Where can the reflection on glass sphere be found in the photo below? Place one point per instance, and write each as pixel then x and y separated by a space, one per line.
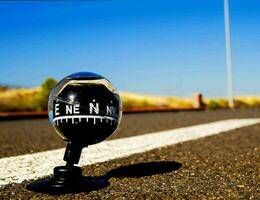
pixel 84 108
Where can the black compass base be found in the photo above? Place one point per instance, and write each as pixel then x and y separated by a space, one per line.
pixel 68 180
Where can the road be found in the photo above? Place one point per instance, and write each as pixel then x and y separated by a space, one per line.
pixel 220 166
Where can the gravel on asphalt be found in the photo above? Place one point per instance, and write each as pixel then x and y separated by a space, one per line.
pixel 224 166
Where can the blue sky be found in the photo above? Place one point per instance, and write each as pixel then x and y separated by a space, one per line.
pixel 161 47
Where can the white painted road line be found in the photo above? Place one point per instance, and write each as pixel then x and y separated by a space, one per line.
pixel 32 166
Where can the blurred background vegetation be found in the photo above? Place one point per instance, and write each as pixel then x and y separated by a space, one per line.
pixel 36 99
pixel 22 99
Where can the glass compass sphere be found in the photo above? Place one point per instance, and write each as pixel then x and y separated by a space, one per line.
pixel 84 108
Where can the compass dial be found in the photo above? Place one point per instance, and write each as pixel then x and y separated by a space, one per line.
pixel 84 108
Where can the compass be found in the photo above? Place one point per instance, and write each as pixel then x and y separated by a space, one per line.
pixel 84 109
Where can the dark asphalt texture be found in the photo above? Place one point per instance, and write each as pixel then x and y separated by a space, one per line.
pixel 223 166
pixel 29 136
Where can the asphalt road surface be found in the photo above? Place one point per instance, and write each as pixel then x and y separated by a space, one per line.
pixel 224 166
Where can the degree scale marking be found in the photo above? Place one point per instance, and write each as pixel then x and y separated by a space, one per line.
pixel 57 119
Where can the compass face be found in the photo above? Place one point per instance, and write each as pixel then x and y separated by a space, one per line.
pixel 84 108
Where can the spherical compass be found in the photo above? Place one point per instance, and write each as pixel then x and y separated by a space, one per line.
pixel 84 109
